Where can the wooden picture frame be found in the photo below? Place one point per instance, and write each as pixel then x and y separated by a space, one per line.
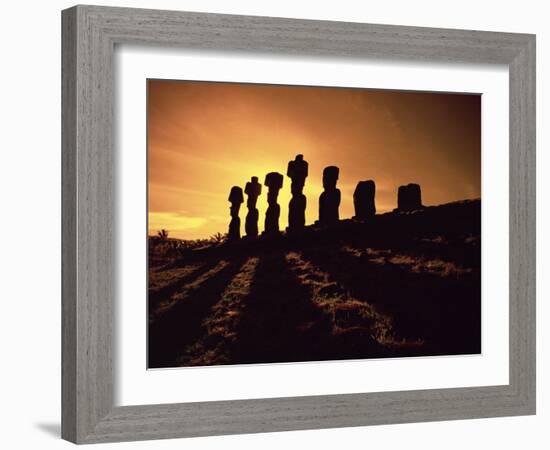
pixel 90 34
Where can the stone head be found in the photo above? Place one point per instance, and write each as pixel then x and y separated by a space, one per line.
pixel 274 181
pixel 236 195
pixel 330 177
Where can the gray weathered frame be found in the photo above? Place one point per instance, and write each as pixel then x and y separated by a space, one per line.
pixel 89 36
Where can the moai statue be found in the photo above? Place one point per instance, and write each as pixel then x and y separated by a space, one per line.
pixel 274 182
pixel 235 198
pixel 409 197
pixel 297 171
pixel 363 200
pixel 252 189
pixel 329 201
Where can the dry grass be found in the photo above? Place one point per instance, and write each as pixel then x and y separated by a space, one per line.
pixel 222 323
pixel 161 279
pixel 187 290
pixel 346 313
pixel 415 264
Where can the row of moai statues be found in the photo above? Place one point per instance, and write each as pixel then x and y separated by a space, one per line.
pixel 408 199
pixel 297 171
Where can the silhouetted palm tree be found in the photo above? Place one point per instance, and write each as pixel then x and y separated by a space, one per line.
pixel 163 234
pixel 218 238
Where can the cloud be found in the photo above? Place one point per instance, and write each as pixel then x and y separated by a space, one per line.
pixel 175 223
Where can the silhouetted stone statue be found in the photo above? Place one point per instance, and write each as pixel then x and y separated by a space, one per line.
pixel 274 182
pixel 329 201
pixel 297 171
pixel 252 189
pixel 409 198
pixel 236 198
pixel 363 200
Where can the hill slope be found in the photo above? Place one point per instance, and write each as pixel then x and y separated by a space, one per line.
pixel 404 284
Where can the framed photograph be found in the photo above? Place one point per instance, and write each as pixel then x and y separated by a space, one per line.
pixel 277 224
pixel 371 272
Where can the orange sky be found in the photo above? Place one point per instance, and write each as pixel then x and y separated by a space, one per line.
pixel 205 137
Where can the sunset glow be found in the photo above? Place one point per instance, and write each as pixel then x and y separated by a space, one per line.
pixel 205 137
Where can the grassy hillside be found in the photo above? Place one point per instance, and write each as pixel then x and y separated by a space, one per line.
pixel 405 284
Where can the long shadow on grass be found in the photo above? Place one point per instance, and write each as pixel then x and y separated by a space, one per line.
pixel 454 249
pixel 445 312
pixel 182 324
pixel 279 323
pixel 164 293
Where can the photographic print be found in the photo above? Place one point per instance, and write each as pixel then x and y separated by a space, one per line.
pixel 305 223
